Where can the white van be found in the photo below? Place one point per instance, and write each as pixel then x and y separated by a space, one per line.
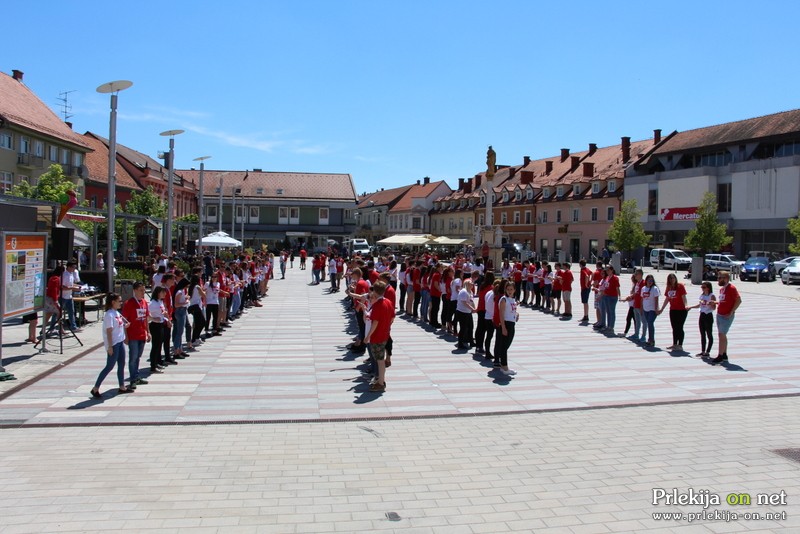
pixel 358 245
pixel 668 258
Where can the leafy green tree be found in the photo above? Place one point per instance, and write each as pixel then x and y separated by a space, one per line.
pixel 146 203
pixel 626 232
pixel 708 234
pixel 52 186
pixel 794 228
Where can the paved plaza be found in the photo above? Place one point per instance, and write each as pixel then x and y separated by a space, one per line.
pixel 576 442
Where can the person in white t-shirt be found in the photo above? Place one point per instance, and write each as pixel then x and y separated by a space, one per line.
pixel 212 306
pixel 69 283
pixel 650 294
pixel 333 274
pixel 465 307
pixel 507 308
pixel 114 325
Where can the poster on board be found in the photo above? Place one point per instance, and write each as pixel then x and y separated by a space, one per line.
pixel 23 273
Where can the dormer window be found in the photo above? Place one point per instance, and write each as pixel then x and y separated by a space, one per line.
pixel 530 193
pixel 612 186
pixel 452 204
pixel 279 191
pixel 216 190
pixel 471 202
pixel 483 199
pixel 505 196
pixel 494 198
pixel 461 204
pixel 576 189
pixel 518 195
pixel 259 191
pixel 560 191
pixel 546 192
pixel 595 187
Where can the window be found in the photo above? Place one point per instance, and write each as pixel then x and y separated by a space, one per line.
pixel 469 224
pixel 491 219
pixel 483 199
pixel 283 215
pixel 259 190
pixel 324 214
pixel 461 223
pixel 211 213
pixel 557 245
pixel 494 198
pixel 595 187
pixel 77 159
pixel 240 214
pixel 378 218
pixel 546 192
pixel 530 194
pixel 416 223
pixel 38 149
pixel 503 218
pixel 481 220
pixel 516 217
pixel 294 215
pixel 724 198
pixel 560 191
pixel 518 195
pixel 6 141
pixel 527 217
pixel 576 215
pixel 24 145
pixel 64 156
pixel 216 190
pixel 576 190
pixel 6 181
pixel 451 224
pixel 505 196
pixel 254 214
pixel 544 216
pixel 543 247
pixel 237 191
pixel 52 153
pixel 594 214
pixel 93 201
pixel 279 191
pixel 558 216
pixel 652 202
pixel 610 213
pixel 612 186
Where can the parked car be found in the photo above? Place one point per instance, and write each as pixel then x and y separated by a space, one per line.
pixel 669 258
pixel 782 264
pixel 791 273
pixel 758 267
pixel 724 262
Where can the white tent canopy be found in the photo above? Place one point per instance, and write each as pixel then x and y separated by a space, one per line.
pixel 406 240
pixel 443 240
pixel 218 239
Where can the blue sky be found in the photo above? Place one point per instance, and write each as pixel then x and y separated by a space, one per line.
pixel 391 92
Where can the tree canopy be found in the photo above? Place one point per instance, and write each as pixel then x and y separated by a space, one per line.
pixel 626 232
pixel 793 225
pixel 708 234
pixel 51 186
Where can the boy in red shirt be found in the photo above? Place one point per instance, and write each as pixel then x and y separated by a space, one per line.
pixel 727 304
pixel 586 289
pixel 381 316
pixel 566 278
pixel 137 334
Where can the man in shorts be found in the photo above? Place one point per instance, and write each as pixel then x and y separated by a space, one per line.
pixel 728 301
pixel 566 289
pixel 380 315
pixel 585 278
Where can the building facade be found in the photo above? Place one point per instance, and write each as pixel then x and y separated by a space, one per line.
pixel 411 213
pixel 372 213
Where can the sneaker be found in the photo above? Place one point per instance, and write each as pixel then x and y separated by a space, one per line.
pixel 642 340
pixel 585 319
pixel 671 347
pixel 509 372
pixel 140 382
pixel 719 359
pixel 700 355
pixel 678 348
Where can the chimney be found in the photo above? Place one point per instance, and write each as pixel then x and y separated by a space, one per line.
pixel 460 184
pixel 477 181
pixel 257 170
pixel 467 186
pixel 418 182
pixel 548 166
pixel 526 160
pixel 17 74
pixel 526 177
pixel 574 163
pixel 68 124
pixel 588 169
pixel 656 136
pixel 626 149
pixel 426 180
pixel 512 171
pixel 592 148
pixel 564 154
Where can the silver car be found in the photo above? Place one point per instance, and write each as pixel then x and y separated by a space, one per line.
pixel 782 264
pixel 791 273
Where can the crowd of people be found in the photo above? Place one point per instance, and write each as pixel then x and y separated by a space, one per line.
pixel 182 311
pixel 476 308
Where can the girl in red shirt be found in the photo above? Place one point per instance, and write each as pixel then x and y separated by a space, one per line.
pixel 675 294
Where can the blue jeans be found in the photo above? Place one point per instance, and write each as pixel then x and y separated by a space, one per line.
pixel 68 305
pixel 650 326
pixel 135 351
pixel 638 321
pixel 610 309
pixel 236 302
pixel 425 303
pixel 117 357
pixel 178 325
pixel 601 305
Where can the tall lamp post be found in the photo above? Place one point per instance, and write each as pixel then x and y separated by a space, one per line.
pixel 170 192
pixel 201 205
pixel 112 88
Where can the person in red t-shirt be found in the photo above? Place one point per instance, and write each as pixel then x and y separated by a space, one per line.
pixel 356 291
pixel 137 334
pixel 675 295
pixel 634 300
pixel 436 295
pixel 52 294
pixel 566 278
pixel 597 278
pixel 555 291
pixel 610 298
pixel 381 316
pixel 727 304
pixel 585 278
pixel 303 255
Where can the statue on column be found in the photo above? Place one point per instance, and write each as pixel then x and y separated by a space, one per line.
pixel 491 163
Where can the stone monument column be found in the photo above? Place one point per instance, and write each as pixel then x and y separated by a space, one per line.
pixel 493 233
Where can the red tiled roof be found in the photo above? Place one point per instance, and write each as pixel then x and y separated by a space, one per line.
pixel 20 106
pixel 386 197
pixel 415 191
pixel 293 185
pixel 97 163
pixel 777 124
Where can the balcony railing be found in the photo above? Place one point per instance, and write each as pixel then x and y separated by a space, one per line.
pixel 29 160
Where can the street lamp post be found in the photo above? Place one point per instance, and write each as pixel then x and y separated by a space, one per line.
pixel 201 205
pixel 219 208
pixel 113 88
pixel 170 189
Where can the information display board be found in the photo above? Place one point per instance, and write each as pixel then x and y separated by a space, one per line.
pixel 23 272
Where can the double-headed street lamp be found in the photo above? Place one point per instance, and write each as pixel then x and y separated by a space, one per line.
pixel 201 205
pixel 113 88
pixel 170 193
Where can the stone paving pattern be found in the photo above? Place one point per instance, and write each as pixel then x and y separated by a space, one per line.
pixel 584 461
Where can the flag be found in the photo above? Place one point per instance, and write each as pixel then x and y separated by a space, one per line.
pixel 246 174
